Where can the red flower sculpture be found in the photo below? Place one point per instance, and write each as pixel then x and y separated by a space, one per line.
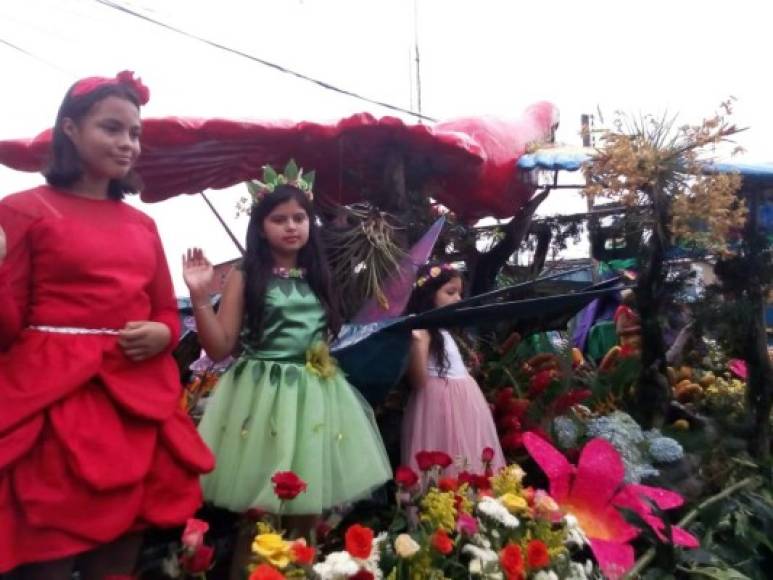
pixel 303 554
pixel 287 485
pixel 488 455
pixel 594 490
pixel 359 541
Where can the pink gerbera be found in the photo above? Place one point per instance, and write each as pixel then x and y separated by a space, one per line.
pixel 594 490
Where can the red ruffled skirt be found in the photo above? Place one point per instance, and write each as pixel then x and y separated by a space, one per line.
pixel 92 446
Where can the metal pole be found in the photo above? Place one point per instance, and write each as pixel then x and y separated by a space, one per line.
pixel 222 223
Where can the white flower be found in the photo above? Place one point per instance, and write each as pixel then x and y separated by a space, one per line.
pixel 492 508
pixel 546 575
pixel 406 546
pixel 576 572
pixel 574 533
pixel 482 554
pixel 337 566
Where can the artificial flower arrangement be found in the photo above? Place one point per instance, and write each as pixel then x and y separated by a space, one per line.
pixel 489 525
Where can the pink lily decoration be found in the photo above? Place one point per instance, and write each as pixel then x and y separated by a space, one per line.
pixel 594 490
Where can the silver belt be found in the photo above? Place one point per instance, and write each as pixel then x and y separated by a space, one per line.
pixel 73 330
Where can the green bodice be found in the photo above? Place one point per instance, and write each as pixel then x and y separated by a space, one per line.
pixel 293 321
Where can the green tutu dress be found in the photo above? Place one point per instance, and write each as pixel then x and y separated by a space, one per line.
pixel 284 406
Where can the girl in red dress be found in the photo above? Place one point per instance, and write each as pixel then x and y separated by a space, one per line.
pixel 94 447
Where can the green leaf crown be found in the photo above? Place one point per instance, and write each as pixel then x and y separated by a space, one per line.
pixel 292 175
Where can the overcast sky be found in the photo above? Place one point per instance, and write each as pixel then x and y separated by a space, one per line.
pixel 477 57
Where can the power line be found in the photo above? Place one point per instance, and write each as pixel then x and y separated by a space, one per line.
pixel 263 62
pixel 35 57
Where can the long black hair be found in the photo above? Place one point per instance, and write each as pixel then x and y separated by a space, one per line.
pixel 258 262
pixel 423 299
pixel 65 167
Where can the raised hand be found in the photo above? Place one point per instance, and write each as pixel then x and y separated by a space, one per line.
pixel 198 273
pixel 3 246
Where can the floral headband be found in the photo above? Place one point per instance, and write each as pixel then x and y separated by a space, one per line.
pixel 292 175
pixel 434 272
pixel 89 84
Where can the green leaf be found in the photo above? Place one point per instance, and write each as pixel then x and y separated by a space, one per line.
pixel 255 187
pixel 291 171
pixel 309 178
pixel 269 175
pixel 717 573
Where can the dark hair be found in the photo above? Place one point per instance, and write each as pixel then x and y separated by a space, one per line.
pixel 423 299
pixel 258 262
pixel 64 168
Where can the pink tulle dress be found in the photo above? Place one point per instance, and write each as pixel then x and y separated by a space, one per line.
pixel 450 414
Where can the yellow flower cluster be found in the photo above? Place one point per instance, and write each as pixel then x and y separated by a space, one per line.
pixel 438 508
pixel 508 480
pixel 726 396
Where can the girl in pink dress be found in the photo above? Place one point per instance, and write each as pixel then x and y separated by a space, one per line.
pixel 446 410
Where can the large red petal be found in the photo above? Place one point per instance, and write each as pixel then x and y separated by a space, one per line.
pixel 682 537
pixel 614 558
pixel 552 462
pixel 600 473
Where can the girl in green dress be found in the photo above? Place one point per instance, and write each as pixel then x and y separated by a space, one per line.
pixel 283 405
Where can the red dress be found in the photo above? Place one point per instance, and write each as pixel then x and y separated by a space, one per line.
pixel 92 445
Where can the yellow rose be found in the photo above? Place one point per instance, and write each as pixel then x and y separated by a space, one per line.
pixel 406 546
pixel 513 503
pixel 273 549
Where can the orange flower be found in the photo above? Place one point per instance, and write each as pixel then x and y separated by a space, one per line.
pixel 537 554
pixel 442 543
pixel 266 572
pixel 303 554
pixel 359 541
pixel 511 560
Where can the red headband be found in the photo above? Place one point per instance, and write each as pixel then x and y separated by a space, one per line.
pixel 85 86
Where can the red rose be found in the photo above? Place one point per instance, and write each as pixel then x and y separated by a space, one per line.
pixel 359 541
pixel 442 459
pixel 483 482
pixel 488 455
pixel 254 514
pixel 303 554
pixel 287 485
pixel 511 560
pixel 466 477
pixel 442 543
pixel 322 529
pixel 193 534
pixel 425 460
pixel 363 575
pixel 447 484
pixel 537 554
pixel 266 572
pixel 198 562
pixel 406 477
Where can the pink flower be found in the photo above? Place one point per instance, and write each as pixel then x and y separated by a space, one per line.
pixel 467 525
pixel 193 534
pixel 594 490
pixel 738 368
